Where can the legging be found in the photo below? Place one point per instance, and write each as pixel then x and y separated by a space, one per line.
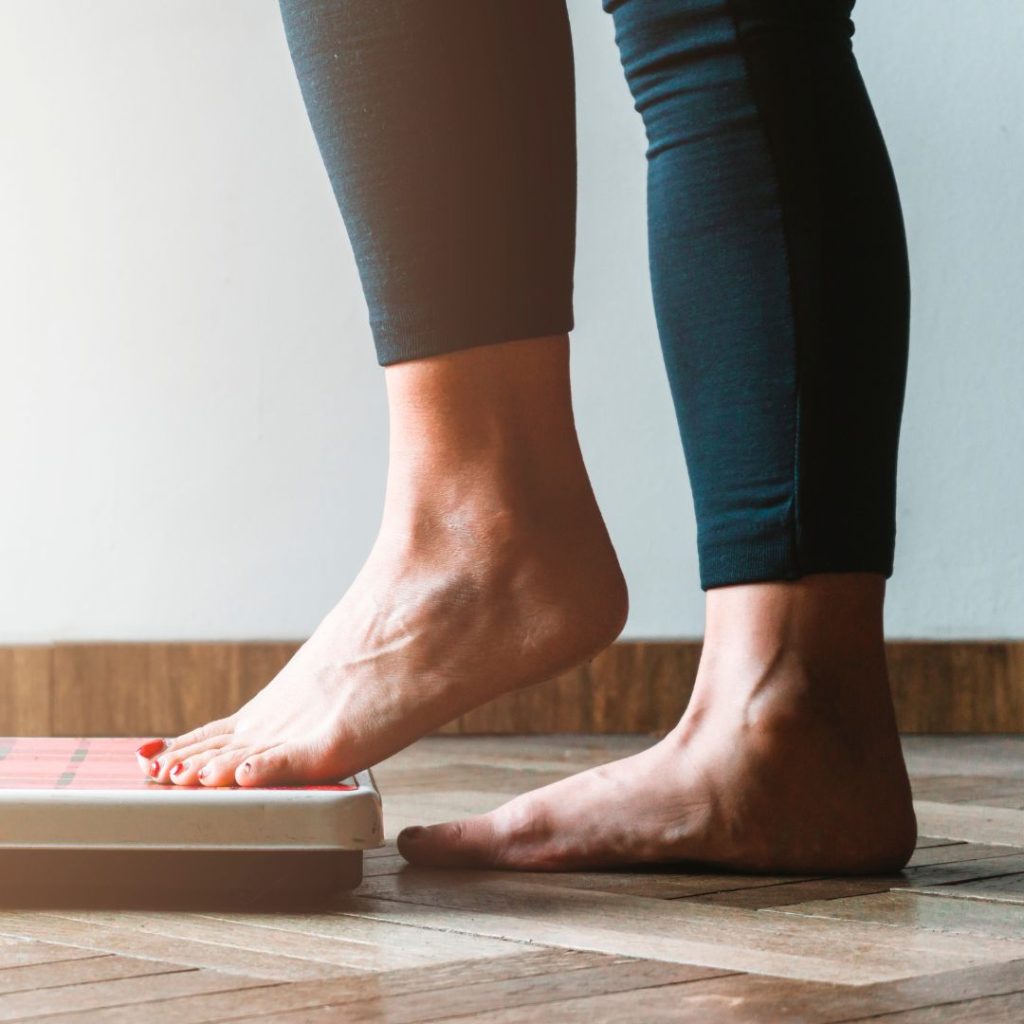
pixel 776 243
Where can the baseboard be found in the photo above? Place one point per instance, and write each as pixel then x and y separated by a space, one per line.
pixel 633 687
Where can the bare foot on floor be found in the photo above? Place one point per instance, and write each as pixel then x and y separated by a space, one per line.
pixel 787 759
pixel 493 570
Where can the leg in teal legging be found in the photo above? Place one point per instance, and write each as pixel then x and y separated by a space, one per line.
pixel 779 273
pixel 447 128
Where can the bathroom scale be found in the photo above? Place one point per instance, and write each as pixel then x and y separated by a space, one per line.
pixel 81 825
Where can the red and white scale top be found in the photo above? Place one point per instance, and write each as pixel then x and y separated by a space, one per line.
pixel 90 794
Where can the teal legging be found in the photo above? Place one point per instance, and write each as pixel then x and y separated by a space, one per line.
pixel 777 251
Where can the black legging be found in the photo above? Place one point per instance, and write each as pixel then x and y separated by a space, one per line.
pixel 777 251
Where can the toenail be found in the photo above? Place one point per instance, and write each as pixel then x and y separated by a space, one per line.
pixel 154 767
pixel 150 747
pixel 246 768
pixel 413 832
pixel 178 769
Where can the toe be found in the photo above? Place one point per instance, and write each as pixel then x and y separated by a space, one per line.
pixel 537 831
pixel 149 750
pixel 183 773
pixel 472 843
pixel 219 770
pixel 211 730
pixel 511 836
pixel 287 764
pixel 158 768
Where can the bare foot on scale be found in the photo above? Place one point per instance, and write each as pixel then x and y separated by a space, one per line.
pixel 786 760
pixel 492 570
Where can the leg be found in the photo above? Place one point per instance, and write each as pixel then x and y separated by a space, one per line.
pixel 779 273
pixel 447 130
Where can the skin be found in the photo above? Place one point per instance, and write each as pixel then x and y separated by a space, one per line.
pixel 493 570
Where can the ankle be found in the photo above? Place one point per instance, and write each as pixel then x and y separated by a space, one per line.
pixel 807 650
pixel 487 433
pixel 503 403
pixel 820 619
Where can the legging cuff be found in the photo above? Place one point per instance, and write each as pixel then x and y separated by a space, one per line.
pixel 399 342
pixel 773 556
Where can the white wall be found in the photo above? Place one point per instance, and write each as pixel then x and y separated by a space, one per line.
pixel 192 429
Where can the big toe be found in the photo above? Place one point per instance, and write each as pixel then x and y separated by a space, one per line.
pixel 514 836
pixel 472 843
pixel 288 764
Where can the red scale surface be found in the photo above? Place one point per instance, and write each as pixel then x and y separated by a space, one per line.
pixel 47 762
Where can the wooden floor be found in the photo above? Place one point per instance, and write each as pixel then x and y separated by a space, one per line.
pixel 942 941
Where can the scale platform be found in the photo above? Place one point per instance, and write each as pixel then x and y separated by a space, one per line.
pixel 80 825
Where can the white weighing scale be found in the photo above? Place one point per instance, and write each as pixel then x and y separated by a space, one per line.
pixel 80 824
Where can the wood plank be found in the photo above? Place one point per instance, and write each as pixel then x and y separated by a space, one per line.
pixel 958 852
pixel 1016 801
pixel 1003 889
pixel 940 872
pixel 969 789
pixel 22 952
pixel 666 884
pixel 126 941
pixel 975 824
pixel 766 897
pixel 389 865
pixel 923 842
pixel 327 955
pixel 26 705
pixel 544 994
pixel 422 982
pixel 988 1010
pixel 411 946
pixel 123 992
pixel 750 999
pixel 919 910
pixel 31 977
pixel 680 931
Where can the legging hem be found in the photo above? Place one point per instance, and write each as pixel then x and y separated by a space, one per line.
pixel 770 563
pixel 398 344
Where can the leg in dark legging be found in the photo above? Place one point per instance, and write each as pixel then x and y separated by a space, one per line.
pixel 779 273
pixel 778 266
pixel 447 130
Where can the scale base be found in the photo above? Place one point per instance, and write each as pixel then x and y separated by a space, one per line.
pixel 178 879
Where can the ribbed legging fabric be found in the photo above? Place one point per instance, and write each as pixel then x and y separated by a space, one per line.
pixel 777 251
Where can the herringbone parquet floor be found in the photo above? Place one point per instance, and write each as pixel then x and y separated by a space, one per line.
pixel 941 941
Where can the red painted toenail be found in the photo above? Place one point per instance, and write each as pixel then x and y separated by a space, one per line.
pixel 178 769
pixel 151 747
pixel 154 767
pixel 413 832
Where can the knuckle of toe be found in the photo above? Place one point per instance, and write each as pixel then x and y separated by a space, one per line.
pixel 519 823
